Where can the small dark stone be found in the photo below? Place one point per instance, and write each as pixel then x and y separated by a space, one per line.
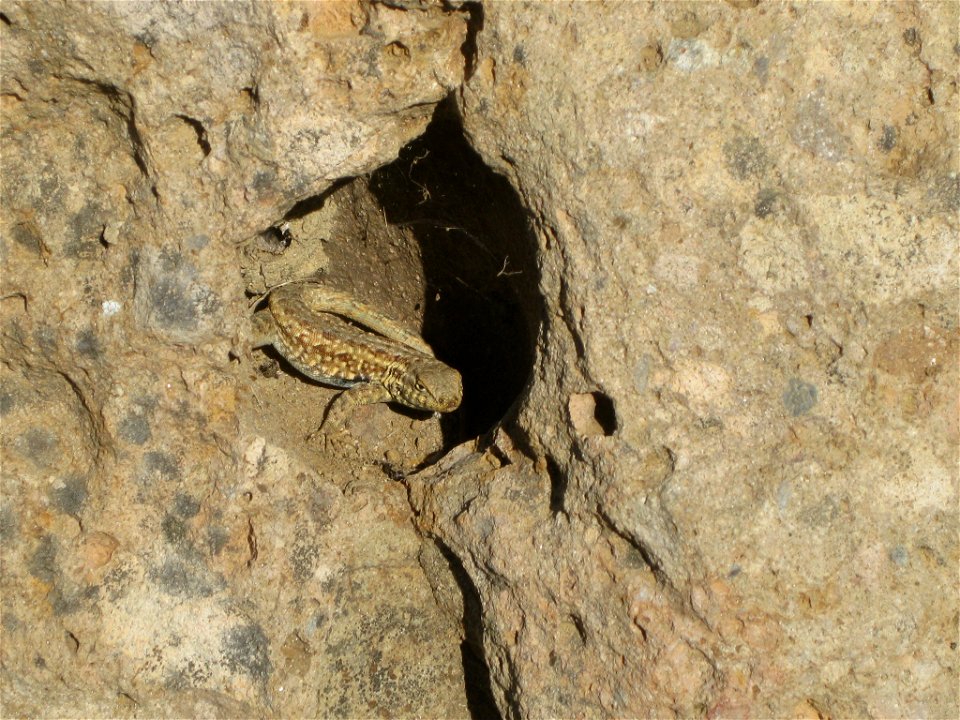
pixel 87 344
pixel 88 222
pixel 246 649
pixel 765 203
pixel 799 397
pixel 40 445
pixel 217 539
pixel 135 429
pixel 43 563
pixel 185 506
pixel 304 560
pixel 178 579
pixel 46 337
pixel 899 556
pixel 8 401
pixel 745 157
pixel 761 68
pixel 263 179
pixel 70 496
pixel 175 301
pixel 82 249
pixel 63 602
pixel 27 235
pixel 946 192
pixel 9 527
pixel 175 531
pixel 159 465
pixel 172 305
pixel 888 140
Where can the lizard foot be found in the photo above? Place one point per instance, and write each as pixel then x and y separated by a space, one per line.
pixel 333 440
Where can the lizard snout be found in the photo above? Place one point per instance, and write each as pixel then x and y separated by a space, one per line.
pixel 453 392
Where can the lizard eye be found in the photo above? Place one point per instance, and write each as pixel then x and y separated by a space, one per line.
pixel 421 387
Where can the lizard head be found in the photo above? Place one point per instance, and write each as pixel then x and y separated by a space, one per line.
pixel 433 386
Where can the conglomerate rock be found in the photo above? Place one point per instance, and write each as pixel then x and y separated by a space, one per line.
pixel 706 315
pixel 160 555
pixel 747 235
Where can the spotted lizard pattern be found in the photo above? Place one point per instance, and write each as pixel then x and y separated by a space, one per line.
pixel 332 338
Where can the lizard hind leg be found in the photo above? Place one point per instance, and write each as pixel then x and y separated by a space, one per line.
pixel 323 299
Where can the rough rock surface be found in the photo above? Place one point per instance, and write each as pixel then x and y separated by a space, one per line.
pixel 171 544
pixel 713 296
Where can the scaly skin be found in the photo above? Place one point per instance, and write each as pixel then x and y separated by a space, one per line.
pixel 305 323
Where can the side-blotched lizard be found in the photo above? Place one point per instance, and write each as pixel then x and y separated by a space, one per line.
pixel 317 330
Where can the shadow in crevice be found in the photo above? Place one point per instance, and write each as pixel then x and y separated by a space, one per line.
pixel 476 673
pixel 469 47
pixel 483 307
pixel 605 413
pixel 558 486
pixel 315 202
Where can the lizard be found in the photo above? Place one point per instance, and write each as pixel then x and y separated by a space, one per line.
pixel 336 340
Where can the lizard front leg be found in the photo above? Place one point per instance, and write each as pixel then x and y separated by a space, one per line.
pixel 263 329
pixel 365 393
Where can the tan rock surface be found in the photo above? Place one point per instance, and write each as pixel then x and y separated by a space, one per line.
pixel 161 557
pixel 744 214
pixel 712 294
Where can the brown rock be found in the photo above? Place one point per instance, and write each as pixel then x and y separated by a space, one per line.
pixel 696 264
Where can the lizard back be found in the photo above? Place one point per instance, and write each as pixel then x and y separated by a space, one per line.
pixel 330 349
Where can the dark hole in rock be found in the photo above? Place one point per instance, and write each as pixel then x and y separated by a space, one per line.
pixel 202 137
pixel 593 414
pixel 476 676
pixel 605 414
pixel 558 487
pixel 479 267
pixel 580 627
pixel 437 242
